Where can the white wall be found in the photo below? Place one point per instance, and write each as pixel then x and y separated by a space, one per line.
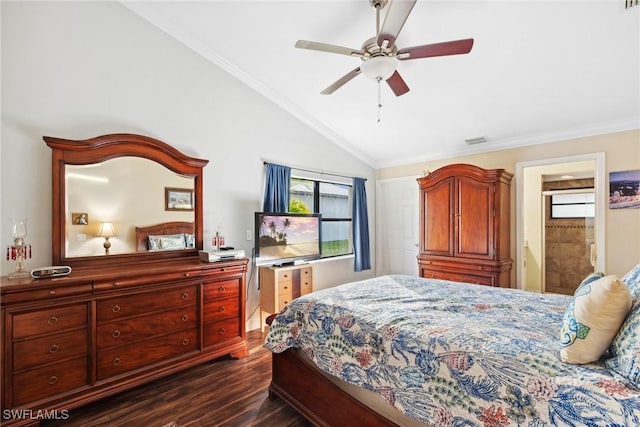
pixel 82 69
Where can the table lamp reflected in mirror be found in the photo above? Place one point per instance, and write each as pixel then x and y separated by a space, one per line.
pixel 106 230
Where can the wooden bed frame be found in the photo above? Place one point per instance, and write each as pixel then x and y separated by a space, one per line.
pixel 316 398
pixel 175 227
pixel 296 381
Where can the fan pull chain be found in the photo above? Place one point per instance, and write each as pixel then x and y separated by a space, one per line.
pixel 378 79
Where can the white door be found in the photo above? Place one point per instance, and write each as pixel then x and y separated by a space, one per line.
pixel 397 228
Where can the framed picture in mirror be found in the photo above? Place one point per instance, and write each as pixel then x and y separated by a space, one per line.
pixel 178 199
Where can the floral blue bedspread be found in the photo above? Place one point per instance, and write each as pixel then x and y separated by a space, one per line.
pixel 453 354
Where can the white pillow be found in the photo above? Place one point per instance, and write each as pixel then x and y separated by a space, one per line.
pixel 593 319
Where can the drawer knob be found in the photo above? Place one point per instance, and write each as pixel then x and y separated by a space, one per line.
pixel 285 287
pixel 116 361
pixel 223 269
pixel 187 274
pixel 52 380
pixel 52 320
pixel 185 341
pixel 221 331
pixel 184 317
pixel 221 289
pixel 116 308
pixel 184 296
pixel 52 292
pixel 221 308
pixel 115 333
pixel 54 348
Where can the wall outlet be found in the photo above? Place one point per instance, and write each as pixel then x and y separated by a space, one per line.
pixel 81 237
pixel 248 234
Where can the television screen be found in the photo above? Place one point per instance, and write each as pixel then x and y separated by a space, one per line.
pixel 285 238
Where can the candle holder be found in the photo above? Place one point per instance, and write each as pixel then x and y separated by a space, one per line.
pixel 19 251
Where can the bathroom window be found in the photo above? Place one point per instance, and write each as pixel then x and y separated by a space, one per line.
pixel 573 205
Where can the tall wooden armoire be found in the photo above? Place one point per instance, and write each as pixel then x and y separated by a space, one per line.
pixel 464 225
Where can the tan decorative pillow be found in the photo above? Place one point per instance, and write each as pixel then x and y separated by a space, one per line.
pixel 593 319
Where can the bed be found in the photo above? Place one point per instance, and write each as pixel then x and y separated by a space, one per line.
pixel 166 235
pixel 402 350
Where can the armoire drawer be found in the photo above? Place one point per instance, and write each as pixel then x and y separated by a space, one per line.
pixel 122 359
pixel 49 380
pixel 49 321
pixel 49 349
pixel 126 331
pixel 460 276
pixel 146 302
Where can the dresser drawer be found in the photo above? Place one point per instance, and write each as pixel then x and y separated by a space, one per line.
pixel 284 276
pixel 49 349
pixel 221 289
pixel 219 332
pixel 306 280
pixel 221 309
pixel 50 380
pixel 47 293
pixel 133 329
pixel 122 359
pixel 126 282
pixel 146 302
pixel 49 321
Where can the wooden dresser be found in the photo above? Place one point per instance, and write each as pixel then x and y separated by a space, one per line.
pixel 464 225
pixel 71 340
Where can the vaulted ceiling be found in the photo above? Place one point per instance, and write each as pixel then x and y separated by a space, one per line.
pixel 539 71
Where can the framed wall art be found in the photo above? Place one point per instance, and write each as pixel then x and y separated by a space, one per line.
pixel 624 189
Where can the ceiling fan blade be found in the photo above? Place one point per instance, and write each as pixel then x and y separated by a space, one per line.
pixel 323 47
pixel 397 84
pixel 456 47
pixel 394 20
pixel 341 81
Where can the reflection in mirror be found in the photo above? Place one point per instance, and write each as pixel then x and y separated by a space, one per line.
pixel 128 192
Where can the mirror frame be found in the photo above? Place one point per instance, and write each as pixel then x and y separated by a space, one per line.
pixel 105 147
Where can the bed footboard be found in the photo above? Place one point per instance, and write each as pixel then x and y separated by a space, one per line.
pixel 315 397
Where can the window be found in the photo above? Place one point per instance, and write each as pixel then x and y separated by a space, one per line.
pixel 333 201
pixel 573 205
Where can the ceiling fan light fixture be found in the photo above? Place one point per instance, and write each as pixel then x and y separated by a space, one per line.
pixel 379 67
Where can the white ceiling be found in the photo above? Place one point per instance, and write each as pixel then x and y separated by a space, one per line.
pixel 538 71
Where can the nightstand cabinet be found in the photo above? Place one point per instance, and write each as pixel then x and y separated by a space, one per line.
pixel 281 285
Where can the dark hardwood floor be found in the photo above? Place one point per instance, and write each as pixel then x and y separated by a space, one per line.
pixel 224 392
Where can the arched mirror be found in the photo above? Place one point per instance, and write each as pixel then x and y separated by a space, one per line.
pixel 124 198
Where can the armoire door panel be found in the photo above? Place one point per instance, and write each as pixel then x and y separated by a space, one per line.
pixel 474 219
pixel 464 225
pixel 439 213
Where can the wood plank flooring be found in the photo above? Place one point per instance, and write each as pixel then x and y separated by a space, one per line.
pixel 224 392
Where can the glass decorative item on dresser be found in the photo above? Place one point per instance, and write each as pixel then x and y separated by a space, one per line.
pixel 19 250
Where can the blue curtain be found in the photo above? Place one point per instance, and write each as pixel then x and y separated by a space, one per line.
pixel 360 226
pixel 276 191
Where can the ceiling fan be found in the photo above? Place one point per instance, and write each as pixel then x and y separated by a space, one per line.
pixel 380 55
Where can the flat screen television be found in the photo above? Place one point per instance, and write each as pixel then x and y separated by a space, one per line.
pixel 283 238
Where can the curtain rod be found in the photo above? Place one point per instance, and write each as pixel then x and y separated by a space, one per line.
pixel 313 171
